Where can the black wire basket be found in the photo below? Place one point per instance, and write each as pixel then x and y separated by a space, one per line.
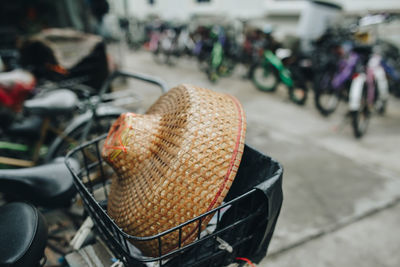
pixel 241 227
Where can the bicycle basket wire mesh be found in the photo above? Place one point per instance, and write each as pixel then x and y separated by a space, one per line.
pixel 241 227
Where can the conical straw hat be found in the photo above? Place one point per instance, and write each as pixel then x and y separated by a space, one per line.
pixel 173 163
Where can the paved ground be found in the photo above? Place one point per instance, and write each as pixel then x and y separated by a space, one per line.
pixel 341 205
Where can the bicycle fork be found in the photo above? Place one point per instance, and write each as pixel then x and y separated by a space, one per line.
pixel 378 73
pixel 356 90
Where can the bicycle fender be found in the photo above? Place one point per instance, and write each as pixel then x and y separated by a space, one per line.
pixel 286 77
pixel 284 73
pixel 216 55
pixel 382 82
pixel 356 89
pixel 274 60
pixel 101 111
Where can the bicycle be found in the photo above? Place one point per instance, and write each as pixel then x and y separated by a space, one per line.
pixel 50 185
pixel 30 195
pixel 47 129
pixel 237 223
pixel 368 90
pixel 272 71
pixel 252 207
pixel 333 60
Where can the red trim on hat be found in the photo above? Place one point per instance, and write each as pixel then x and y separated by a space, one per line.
pixel 114 140
pixel 235 153
pixel 232 163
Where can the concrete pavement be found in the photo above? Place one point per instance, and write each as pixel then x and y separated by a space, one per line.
pixel 341 205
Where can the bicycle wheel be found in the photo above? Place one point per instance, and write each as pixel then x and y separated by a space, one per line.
pixel 380 103
pixel 381 107
pixel 360 118
pixel 326 98
pixel 212 75
pixel 298 94
pixel 264 77
pixel 226 68
pixel 212 71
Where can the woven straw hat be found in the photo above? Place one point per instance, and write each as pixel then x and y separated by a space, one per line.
pixel 173 163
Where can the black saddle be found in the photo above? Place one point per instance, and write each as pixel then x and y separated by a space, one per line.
pixel 49 185
pixel 23 235
pixel 52 103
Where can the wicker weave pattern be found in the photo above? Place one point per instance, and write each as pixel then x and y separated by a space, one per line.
pixel 173 163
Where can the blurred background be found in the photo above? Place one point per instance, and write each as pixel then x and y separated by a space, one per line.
pixel 319 81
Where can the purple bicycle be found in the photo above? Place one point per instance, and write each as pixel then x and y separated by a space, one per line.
pixel 332 85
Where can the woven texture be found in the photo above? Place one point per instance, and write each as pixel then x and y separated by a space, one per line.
pixel 173 163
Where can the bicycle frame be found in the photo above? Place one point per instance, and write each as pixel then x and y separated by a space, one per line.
pixel 346 69
pixel 284 73
pixel 356 89
pixel 216 55
pixel 154 41
pixel 86 120
pixel 45 129
pixel 78 122
pixel 374 72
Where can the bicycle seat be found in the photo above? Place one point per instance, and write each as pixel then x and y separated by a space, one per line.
pixel 48 185
pixel 10 78
pixel 28 127
pixel 23 235
pixel 52 103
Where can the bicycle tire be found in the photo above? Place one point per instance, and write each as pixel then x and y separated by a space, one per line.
pixel 212 75
pixel 227 67
pixel 379 103
pixel 265 77
pixel 298 94
pixel 360 118
pixel 326 98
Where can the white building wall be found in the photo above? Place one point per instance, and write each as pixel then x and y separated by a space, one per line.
pixel 365 6
pixel 293 7
pixel 184 9
pixel 283 15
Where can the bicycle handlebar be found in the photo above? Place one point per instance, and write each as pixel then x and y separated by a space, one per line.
pixel 107 84
pixel 142 77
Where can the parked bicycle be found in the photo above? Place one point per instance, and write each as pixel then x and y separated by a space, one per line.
pixel 273 71
pixel 236 221
pixel 30 195
pixel 327 57
pixel 60 121
pixel 50 187
pixel 368 90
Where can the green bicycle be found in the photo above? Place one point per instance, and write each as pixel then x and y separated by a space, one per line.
pixel 272 71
